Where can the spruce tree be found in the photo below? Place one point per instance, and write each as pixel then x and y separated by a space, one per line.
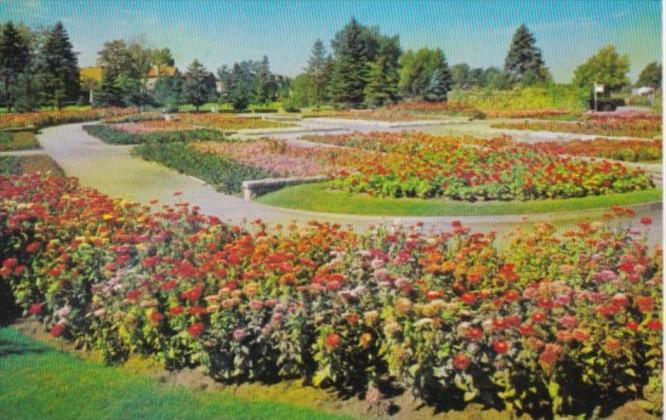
pixel 384 74
pixel 14 59
pixel 524 61
pixel 440 85
pixel 196 90
pixel 352 65
pixel 57 70
pixel 319 71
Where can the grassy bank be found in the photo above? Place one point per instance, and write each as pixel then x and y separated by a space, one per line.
pixel 317 197
pixel 40 382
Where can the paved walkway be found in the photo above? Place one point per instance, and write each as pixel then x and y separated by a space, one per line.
pixel 114 171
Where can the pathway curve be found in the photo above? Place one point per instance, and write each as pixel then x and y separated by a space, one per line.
pixel 113 170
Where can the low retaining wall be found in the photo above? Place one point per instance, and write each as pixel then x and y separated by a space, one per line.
pixel 252 189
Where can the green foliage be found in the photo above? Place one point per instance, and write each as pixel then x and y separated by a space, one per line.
pixel 650 76
pixel 606 67
pixel 354 50
pixel 14 59
pixel 417 69
pixel 551 96
pixel 57 69
pixel 523 63
pixel 303 91
pixel 225 174
pixel 196 88
pixel 9 165
pixel 168 92
pixel 17 140
pixel 384 76
pixel 439 86
pixel 112 135
pixel 318 75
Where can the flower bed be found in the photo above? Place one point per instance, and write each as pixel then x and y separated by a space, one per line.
pixel 408 111
pixel 114 135
pixel 421 165
pixel 278 157
pixel 225 174
pixel 557 322
pixel 606 124
pixel 627 150
pixel 546 114
pixel 18 140
pixel 48 118
pixel 229 122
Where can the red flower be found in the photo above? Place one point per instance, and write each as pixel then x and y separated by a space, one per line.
pixel 176 310
pixel 654 325
pixel 526 329
pixel 645 303
pixel 474 333
pixel 538 317
pixel 57 329
pixel 500 346
pixel 197 310
pixel 156 317
pixel 332 341
pixel 468 298
pixel 133 295
pixel 33 247
pixel 646 221
pixel 10 263
pixel 192 295
pixel 195 329
pixel 632 325
pixel 461 361
pixel 35 308
pixel 5 272
pixel 506 272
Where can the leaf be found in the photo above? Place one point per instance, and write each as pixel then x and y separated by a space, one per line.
pixel 470 395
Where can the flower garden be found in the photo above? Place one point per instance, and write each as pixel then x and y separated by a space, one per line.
pixel 604 124
pixel 555 322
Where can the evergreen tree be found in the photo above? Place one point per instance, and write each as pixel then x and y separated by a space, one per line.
pixel 168 91
pixel 15 57
pixel 440 84
pixel 241 87
pixel 196 89
pixel 352 64
pixel 524 61
pixel 384 75
pixel 266 85
pixel 57 70
pixel 319 72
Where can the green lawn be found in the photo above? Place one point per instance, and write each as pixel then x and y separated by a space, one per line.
pixel 317 197
pixel 39 382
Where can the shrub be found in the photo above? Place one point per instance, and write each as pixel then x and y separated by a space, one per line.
pixel 563 97
pixel 113 135
pixel 225 174
pixel 18 140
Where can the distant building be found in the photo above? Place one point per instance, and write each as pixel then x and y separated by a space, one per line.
pixel 91 77
pixel 156 72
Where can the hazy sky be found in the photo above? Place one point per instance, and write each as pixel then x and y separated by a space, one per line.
pixel 477 32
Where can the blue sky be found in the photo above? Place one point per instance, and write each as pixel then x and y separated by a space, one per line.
pixel 477 32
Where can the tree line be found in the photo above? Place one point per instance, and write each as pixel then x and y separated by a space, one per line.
pixel 364 68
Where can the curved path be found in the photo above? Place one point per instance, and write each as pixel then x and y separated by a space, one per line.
pixel 113 170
